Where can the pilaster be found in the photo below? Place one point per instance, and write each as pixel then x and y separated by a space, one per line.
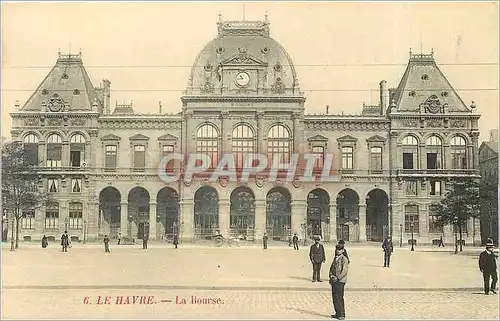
pixel 362 222
pixel 261 148
pixel 152 220
pixel 65 153
pixel 186 208
pixel 224 210
pixel 299 208
pixel 260 219
pixel 123 219
pixel 333 222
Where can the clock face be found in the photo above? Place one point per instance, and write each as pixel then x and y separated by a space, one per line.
pixel 242 79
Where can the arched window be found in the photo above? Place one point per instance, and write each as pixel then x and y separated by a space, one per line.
pixel 31 150
pixel 458 153
pixel 278 144
pixel 433 147
pixel 207 143
pixel 77 150
pixel 243 143
pixel 54 151
pixel 410 152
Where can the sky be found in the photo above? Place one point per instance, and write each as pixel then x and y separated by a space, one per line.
pixel 341 51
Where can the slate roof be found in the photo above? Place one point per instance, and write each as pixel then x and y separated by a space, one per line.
pixel 421 80
pixel 70 81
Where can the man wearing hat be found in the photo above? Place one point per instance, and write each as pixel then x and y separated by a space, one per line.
pixel 338 278
pixel 488 266
pixel 317 257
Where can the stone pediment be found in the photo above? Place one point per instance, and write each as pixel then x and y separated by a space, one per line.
pixel 376 138
pixel 111 137
pixel 347 138
pixel 139 137
pixel 244 60
pixel 317 138
pixel 168 137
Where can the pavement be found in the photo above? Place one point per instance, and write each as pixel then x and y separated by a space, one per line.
pixel 242 282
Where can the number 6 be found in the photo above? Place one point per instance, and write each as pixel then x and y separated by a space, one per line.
pixel 86 300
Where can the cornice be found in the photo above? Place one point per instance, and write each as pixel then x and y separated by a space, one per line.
pixel 274 99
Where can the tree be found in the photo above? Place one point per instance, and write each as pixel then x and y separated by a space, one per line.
pixel 20 189
pixel 460 203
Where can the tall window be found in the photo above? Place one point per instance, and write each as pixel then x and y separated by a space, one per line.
pixel 434 225
pixel 411 219
pixel 77 150
pixel 53 185
pixel 458 153
pixel 52 216
pixel 207 143
pixel 278 144
pixel 54 151
pixel 31 150
pixel 376 158
pixel 110 158
pixel 139 158
pixel 75 216
pixel 410 152
pixel 319 157
pixel 347 157
pixel 76 185
pixel 435 188
pixel 433 146
pixel 243 143
pixel 28 219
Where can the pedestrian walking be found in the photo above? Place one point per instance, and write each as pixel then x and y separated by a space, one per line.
pixel 264 241
pixel 65 241
pixel 45 242
pixel 441 243
pixel 317 257
pixel 341 243
pixel 388 249
pixel 176 240
pixel 488 266
pixel 295 241
pixel 106 244
pixel 119 238
pixel 338 278
pixel 145 241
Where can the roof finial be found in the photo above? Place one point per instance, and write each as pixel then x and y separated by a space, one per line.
pixel 80 53
pixel 410 52
pixel 220 17
pixel 266 18
pixel 432 51
pixel 59 52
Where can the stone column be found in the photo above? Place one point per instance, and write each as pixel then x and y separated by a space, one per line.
pixel 124 218
pixel 333 222
pixel 64 216
pixel 260 219
pixel 362 222
pixel 475 149
pixel 186 207
pixel 92 217
pixel 42 154
pixel 470 156
pixel 299 209
pixel 422 156
pixel 446 157
pixel 152 220
pixel 260 146
pixel 224 210
pixel 65 154
pixel 297 137
pixel 225 143
pixel 423 225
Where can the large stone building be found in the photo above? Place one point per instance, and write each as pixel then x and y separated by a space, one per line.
pixel 391 161
pixel 488 166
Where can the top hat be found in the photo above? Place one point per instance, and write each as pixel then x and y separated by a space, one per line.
pixel 489 243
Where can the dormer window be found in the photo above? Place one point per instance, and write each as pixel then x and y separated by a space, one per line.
pixel 425 77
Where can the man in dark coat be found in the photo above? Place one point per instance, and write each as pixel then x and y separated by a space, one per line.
pixel 176 240
pixel 338 278
pixel 341 243
pixel 65 241
pixel 45 242
pixel 317 257
pixel 295 241
pixel 388 249
pixel 264 241
pixel 145 241
pixel 106 244
pixel 488 266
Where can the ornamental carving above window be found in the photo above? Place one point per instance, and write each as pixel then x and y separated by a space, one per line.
pixel 432 105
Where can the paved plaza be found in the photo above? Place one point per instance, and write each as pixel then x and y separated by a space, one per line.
pixel 245 282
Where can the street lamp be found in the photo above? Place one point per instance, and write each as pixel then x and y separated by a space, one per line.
pixel 84 230
pixel 412 240
pixel 401 235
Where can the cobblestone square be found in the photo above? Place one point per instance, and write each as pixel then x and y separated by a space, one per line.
pixel 248 282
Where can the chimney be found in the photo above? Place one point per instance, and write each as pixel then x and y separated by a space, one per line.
pixel 384 96
pixel 494 135
pixel 106 84
pixel 327 109
pixel 160 108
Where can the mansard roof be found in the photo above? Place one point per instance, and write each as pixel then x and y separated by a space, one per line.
pixel 424 88
pixel 68 83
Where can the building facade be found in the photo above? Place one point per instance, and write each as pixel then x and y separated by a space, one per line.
pixel 488 166
pixel 391 162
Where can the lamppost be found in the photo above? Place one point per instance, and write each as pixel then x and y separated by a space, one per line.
pixel 66 222
pixel 84 230
pixel 412 240
pixel 401 235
